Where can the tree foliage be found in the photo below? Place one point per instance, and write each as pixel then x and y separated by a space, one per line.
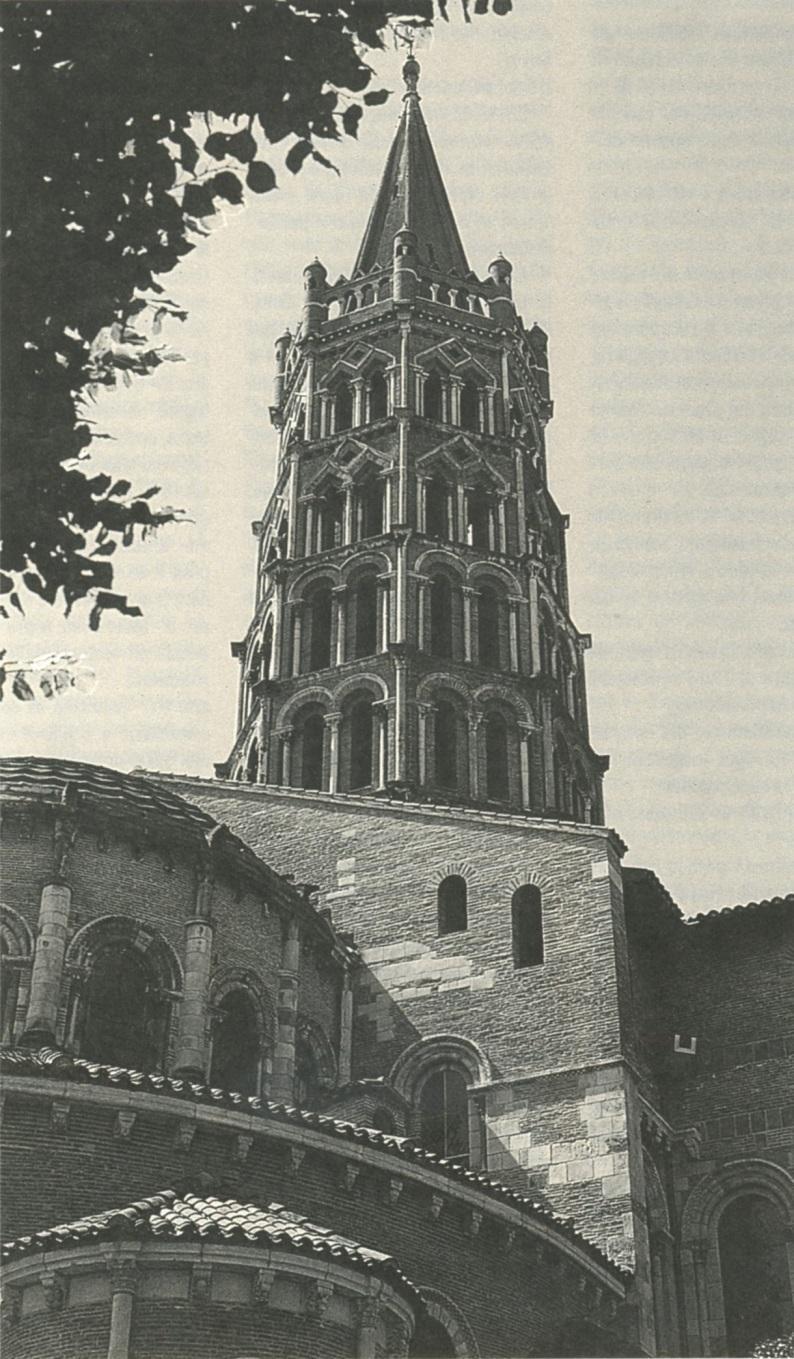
pixel 128 123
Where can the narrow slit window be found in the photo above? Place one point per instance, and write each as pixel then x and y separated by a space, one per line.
pixel 527 919
pixel 452 905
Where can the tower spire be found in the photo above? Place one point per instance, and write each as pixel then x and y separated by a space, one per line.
pixel 412 195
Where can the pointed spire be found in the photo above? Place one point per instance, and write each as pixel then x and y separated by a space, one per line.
pixel 412 195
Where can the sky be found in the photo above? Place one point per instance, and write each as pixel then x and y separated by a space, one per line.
pixel 632 160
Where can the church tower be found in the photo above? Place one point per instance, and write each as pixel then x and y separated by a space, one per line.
pixel 412 634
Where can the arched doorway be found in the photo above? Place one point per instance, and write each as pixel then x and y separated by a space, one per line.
pixel 756 1285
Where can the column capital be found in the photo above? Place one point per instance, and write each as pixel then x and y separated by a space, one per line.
pixel 332 720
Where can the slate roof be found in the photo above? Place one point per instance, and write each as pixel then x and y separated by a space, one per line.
pixel 412 194
pixel 188 1217
pixel 49 1062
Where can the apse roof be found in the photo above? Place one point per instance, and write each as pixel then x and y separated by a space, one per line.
pixel 60 1066
pixel 412 194
pixel 190 1217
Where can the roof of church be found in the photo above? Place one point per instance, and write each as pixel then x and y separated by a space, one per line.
pixel 189 1217
pixel 412 194
pixel 57 1065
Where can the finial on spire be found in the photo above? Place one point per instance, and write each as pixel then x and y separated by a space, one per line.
pixel 411 73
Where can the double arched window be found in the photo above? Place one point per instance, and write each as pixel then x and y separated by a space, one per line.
pixel 452 905
pixel 444 1113
pixel 527 924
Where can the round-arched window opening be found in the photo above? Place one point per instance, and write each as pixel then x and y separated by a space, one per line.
pixel 378 396
pixel 361 743
pixel 235 1045
pixel 488 611
pixel 441 616
pixel 444 1114
pixel 312 738
pixel 306 1082
pixel 527 924
pixel 431 1340
pixel 755 1275
pixel 366 607
pixel 470 406
pixel 446 745
pixel 320 629
pixel 382 1120
pixel 497 779
pixel 433 401
pixel 436 508
pixel 344 406
pixel 125 1017
pixel 452 905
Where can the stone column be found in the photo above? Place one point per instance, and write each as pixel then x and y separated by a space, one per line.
pixel 404 365
pixel 468 596
pixel 297 634
pixel 525 737
pixel 323 416
pixel 455 385
pixel 399 718
pixel 284 1060
pixel 123 1286
pixel 475 720
pixel 421 503
pixel 423 712
pixel 292 505
pixel 491 412
pixel 347 536
pixel 278 621
pixel 521 503
pixel 332 721
pixel 309 388
pixel 384 592
pixel 491 529
pixel 501 524
pixel 387 503
pixel 512 620
pixel 368 1328
pixel 382 713
pixel 286 734
pixel 339 647
pixel 422 583
pixel 308 545
pixel 190 1059
pixel 345 1028
pixel 47 973
pixel 358 401
pixel 536 660
pixel 460 529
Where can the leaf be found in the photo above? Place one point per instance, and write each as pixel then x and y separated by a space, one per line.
pixel 227 186
pixel 260 178
pixel 502 6
pixel 324 161
pixel 351 118
pixel 376 96
pixel 197 201
pixel 216 145
pixel 120 488
pixel 21 689
pixel 188 151
pixel 242 145
pixel 297 155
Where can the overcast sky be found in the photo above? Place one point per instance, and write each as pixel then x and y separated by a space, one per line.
pixel 633 161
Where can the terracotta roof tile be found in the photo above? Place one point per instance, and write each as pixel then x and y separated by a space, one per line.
pixel 167 1215
pixel 50 1062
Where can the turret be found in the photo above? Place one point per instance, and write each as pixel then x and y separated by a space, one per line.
pixel 539 344
pixel 500 304
pixel 282 349
pixel 405 259
pixel 315 308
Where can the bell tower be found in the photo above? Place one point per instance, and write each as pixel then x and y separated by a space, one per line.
pixel 411 635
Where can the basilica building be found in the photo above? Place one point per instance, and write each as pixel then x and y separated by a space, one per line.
pixel 373 1045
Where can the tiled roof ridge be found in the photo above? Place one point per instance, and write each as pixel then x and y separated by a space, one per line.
pixel 56 1064
pixel 515 817
pixel 730 912
pixel 210 1218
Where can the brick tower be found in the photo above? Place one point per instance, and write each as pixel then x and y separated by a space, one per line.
pixel 411 633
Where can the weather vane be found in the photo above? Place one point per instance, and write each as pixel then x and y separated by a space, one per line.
pixel 410 32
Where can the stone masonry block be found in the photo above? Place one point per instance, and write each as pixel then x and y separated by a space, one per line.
pixel 613 1186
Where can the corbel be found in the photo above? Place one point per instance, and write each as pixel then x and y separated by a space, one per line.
pixel 54 1290
pixel 263 1286
pixel 436 1205
pixel 350 1174
pixel 510 1238
pixel 320 1294
pixel 123 1124
pixel 201 1284
pixel 396 1186
pixel 296 1159
pixel 241 1147
pixel 59 1115
pixel 474 1223
pixel 185 1132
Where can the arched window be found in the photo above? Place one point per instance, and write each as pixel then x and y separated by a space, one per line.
pixel 452 910
pixel 267 650
pixel 383 1120
pixel 444 1114
pixel 125 1016
pixel 252 764
pixel 9 975
pixel 434 409
pixel 344 407
pixel 361 743
pixel 478 519
pixel 333 520
pixel 436 508
pixel 378 396
pixel 370 503
pixel 320 629
pixel 235 1045
pixel 488 619
pixel 431 1340
pixel 312 737
pixel 366 607
pixel 307 1082
pixel 755 1276
pixel 446 745
pixel 470 405
pixel 441 616
pixel 527 920
pixel 497 780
